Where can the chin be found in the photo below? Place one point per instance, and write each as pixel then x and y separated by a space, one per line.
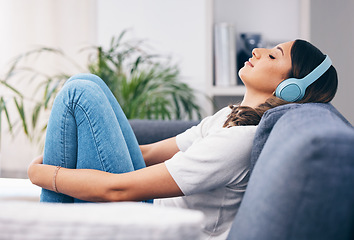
pixel 242 76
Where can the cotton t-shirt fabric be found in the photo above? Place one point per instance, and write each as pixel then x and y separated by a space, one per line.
pixel 212 170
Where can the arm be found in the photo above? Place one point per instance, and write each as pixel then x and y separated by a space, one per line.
pixel 160 151
pixel 98 186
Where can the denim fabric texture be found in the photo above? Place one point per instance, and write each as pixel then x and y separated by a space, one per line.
pixel 88 129
pixel 302 184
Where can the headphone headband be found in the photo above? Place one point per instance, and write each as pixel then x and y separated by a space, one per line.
pixel 318 71
pixel 293 89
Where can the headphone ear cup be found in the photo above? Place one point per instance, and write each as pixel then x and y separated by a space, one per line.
pixel 289 90
pixel 293 89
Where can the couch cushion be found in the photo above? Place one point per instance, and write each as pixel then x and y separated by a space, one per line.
pixel 18 189
pixel 103 221
pixel 302 184
pixel 271 116
pixel 150 131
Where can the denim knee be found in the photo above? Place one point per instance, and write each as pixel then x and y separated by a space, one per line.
pixel 78 89
pixel 86 76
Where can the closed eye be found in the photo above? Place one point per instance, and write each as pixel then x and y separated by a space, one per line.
pixel 271 56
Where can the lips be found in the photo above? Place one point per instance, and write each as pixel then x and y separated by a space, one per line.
pixel 249 63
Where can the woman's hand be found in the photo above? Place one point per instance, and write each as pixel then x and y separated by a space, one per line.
pixel 32 167
pixel 38 160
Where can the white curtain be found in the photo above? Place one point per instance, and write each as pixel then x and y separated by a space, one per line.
pixel 27 24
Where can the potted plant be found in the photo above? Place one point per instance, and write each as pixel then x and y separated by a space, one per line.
pixel 146 85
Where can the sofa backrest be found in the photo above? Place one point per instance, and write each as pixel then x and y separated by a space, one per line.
pixel 301 186
pixel 150 131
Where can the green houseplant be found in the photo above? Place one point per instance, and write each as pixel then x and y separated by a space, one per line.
pixel 146 85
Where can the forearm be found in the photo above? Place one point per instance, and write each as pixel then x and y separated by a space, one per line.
pixel 85 184
pixel 98 186
pixel 159 152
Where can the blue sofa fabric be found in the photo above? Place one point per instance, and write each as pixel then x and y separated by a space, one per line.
pixel 301 186
pixel 150 131
pixel 271 117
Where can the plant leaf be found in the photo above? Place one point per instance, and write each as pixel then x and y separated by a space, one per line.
pixel 21 111
pixel 11 88
pixel 35 115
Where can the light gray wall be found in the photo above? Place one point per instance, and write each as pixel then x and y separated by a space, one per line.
pixel 258 16
pixel 276 20
pixel 332 30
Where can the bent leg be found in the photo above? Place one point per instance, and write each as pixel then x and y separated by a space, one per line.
pixel 127 131
pixel 84 132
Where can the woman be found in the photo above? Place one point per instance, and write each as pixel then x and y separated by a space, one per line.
pixel 206 168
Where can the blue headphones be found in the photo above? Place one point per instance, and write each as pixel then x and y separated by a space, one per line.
pixel 293 89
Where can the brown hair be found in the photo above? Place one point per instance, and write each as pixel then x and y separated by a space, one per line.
pixel 304 57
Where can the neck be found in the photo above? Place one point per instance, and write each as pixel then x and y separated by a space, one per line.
pixel 253 100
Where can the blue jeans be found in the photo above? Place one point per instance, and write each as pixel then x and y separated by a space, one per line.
pixel 87 129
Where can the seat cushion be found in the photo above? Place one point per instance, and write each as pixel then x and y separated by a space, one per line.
pixel 302 184
pixel 104 221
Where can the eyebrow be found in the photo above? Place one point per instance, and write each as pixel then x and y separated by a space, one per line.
pixel 279 48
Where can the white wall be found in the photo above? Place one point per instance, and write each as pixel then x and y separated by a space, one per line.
pixel 276 20
pixel 176 28
pixel 332 31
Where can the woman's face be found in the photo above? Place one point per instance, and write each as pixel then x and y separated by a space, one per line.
pixel 267 68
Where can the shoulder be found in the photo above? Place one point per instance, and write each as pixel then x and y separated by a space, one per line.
pixel 238 134
pixel 224 112
pixel 216 120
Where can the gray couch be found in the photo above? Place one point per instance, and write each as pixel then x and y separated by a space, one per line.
pixel 302 181
pixel 150 131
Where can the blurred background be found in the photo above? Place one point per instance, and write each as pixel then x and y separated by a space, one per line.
pixel 180 30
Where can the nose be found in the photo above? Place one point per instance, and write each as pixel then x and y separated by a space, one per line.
pixel 258 52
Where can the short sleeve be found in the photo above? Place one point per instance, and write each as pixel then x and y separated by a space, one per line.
pixel 219 159
pixel 186 139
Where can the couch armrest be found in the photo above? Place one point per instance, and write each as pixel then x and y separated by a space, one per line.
pixel 302 184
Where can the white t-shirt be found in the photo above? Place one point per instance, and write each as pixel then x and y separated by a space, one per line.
pixel 212 170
